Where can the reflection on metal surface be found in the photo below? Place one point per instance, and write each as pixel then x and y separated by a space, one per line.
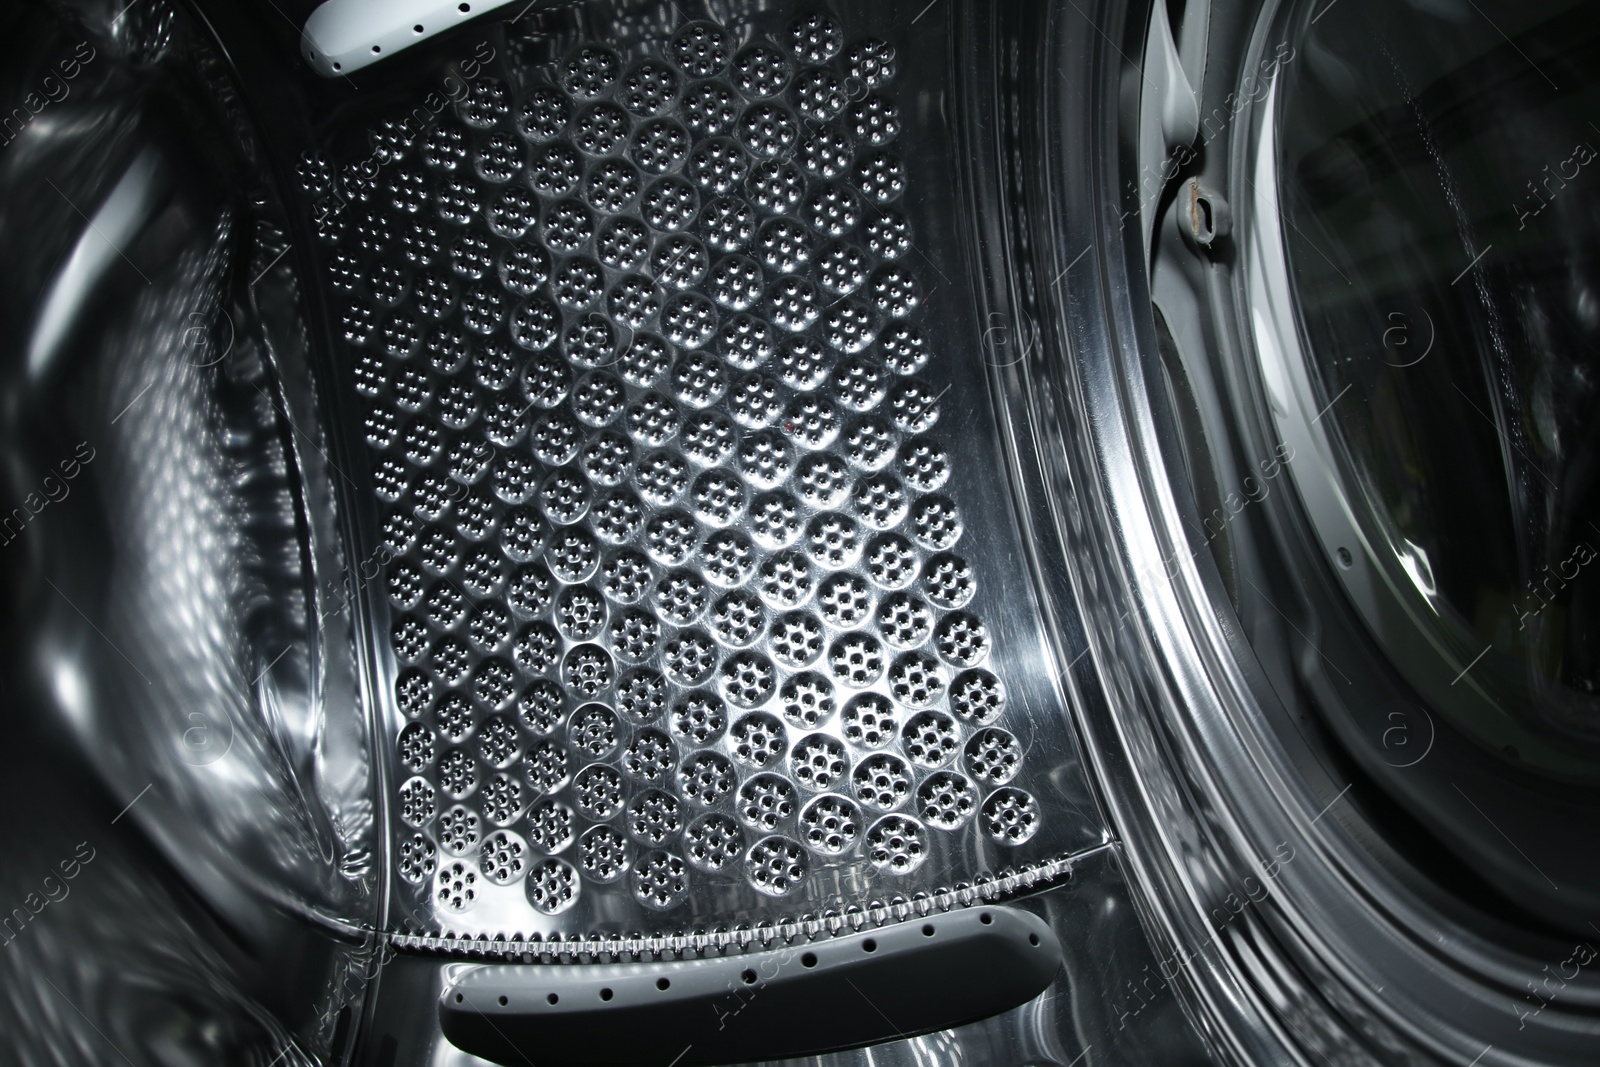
pixel 693 613
pixel 1233 703
pixel 718 456
pixel 174 701
pixel 751 936
pixel 1110 1004
pixel 112 226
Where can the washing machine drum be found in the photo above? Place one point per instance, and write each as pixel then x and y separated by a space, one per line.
pixel 604 533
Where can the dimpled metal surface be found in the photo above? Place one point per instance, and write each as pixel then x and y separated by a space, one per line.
pixel 680 618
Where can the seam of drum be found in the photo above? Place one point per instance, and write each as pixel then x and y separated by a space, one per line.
pixel 756 936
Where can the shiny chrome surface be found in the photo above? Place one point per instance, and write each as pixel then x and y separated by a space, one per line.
pixel 187 763
pixel 1295 919
pixel 203 647
pixel 1106 1005
pixel 201 675
pixel 693 587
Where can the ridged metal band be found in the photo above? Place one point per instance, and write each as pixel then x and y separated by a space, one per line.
pixel 593 947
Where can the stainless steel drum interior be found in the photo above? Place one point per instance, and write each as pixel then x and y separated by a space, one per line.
pixel 599 531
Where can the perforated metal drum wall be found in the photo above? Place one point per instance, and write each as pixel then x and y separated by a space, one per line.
pixel 695 560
